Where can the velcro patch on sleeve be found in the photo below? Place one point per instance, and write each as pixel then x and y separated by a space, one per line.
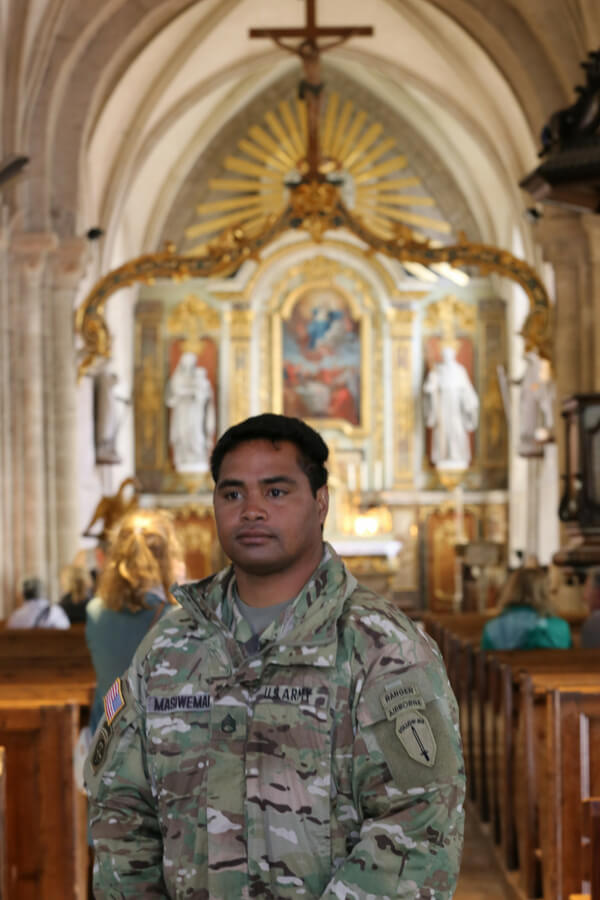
pixel 414 733
pixel 114 702
pixel 100 747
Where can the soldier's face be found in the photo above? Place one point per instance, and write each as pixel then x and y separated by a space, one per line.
pixel 268 520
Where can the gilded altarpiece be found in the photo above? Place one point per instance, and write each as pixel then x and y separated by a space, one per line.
pixel 318 342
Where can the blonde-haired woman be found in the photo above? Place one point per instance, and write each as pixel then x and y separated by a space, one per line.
pixel 526 621
pixel 144 560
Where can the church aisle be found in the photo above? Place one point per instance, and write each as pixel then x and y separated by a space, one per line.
pixel 481 877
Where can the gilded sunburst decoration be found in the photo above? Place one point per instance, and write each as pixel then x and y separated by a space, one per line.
pixel 368 168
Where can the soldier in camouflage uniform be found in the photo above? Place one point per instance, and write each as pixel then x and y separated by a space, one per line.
pixel 315 757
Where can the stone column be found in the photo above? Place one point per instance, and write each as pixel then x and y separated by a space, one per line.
pixel 564 244
pixel 64 514
pixel 6 496
pixel 29 252
pixel 563 240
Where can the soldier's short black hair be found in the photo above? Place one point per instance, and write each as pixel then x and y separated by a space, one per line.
pixel 312 449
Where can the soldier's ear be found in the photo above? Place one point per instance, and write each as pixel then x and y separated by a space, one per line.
pixel 323 502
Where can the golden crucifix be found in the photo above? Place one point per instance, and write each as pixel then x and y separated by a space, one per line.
pixel 309 50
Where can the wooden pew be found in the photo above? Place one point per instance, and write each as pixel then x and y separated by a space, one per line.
pixel 530 780
pixel 3 866
pixel 45 814
pixel 591 820
pixel 495 722
pixel 47 683
pixel 572 766
pixel 46 663
pixel 503 722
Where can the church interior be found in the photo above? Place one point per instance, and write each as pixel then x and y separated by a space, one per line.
pixel 381 218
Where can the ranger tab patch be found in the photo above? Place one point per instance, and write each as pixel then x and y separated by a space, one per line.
pixel 399 699
pixel 114 701
pixel 415 734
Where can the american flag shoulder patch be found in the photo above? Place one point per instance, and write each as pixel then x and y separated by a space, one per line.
pixel 114 701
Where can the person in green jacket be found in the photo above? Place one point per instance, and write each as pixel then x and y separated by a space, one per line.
pixel 285 733
pixel 526 621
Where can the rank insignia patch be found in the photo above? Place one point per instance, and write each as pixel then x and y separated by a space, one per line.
pixel 114 701
pixel 415 734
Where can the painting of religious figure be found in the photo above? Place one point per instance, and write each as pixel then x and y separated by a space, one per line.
pixel 322 357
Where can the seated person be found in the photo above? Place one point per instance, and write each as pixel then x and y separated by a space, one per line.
pixel 590 630
pixel 525 621
pixel 37 611
pixel 77 585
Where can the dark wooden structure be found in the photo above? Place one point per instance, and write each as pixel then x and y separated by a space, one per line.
pixel 569 174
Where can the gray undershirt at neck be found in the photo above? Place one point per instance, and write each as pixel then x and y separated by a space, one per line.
pixel 260 617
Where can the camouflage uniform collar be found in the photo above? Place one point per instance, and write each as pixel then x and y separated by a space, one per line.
pixel 308 631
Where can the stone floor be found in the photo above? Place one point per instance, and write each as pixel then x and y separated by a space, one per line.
pixel 481 877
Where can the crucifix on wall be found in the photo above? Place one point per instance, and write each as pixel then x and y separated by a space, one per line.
pixel 308 43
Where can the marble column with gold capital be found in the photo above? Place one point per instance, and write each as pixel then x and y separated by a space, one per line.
pixel 28 266
pixel 67 270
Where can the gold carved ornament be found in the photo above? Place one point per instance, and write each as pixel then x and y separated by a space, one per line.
pixel 310 213
pixel 360 186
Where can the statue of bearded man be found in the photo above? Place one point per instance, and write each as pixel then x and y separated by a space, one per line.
pixel 451 409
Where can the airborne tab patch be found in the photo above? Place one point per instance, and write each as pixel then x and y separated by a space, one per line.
pixel 114 702
pixel 415 734
pixel 400 699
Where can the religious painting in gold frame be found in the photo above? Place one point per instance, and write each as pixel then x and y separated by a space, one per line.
pixel 320 372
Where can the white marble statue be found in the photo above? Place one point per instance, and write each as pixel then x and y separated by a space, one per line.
pixel 451 409
pixel 189 395
pixel 107 421
pixel 536 406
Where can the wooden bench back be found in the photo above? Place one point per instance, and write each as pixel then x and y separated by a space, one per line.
pixel 3 867
pixel 46 847
pixel 572 767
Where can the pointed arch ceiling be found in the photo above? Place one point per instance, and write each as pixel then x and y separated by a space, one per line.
pixel 180 93
pixel 65 60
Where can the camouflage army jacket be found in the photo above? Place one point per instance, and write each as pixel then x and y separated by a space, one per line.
pixel 327 764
